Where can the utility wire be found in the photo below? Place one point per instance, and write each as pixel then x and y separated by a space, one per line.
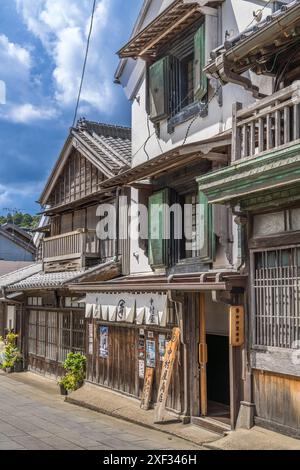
pixel 260 10
pixel 199 115
pixel 85 61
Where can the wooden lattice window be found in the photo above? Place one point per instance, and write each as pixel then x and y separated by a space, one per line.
pixel 276 297
pixel 52 335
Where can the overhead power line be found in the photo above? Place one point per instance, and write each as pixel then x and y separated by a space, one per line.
pixel 85 61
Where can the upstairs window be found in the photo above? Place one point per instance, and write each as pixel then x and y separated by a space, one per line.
pixel 177 80
pixel 193 226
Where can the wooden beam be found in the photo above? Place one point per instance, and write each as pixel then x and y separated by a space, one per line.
pixel 167 31
pixel 202 355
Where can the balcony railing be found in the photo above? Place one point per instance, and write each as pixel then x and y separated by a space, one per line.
pixel 80 244
pixel 270 123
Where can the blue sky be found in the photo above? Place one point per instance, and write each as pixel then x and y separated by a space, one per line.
pixel 42 44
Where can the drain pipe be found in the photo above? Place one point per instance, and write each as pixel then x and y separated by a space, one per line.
pixel 17 302
pixel 241 220
pixel 117 254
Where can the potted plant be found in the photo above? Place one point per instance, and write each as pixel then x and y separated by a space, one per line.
pixel 75 366
pixel 18 366
pixel 11 357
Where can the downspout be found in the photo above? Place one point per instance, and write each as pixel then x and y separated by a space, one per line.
pixel 241 220
pixel 178 304
pixel 117 242
pixel 3 290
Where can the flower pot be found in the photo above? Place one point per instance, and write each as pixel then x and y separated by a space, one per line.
pixel 63 391
pixel 18 367
pixel 8 370
pixel 79 384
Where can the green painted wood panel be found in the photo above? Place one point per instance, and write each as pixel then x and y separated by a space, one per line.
pixel 158 244
pixel 158 88
pixel 200 79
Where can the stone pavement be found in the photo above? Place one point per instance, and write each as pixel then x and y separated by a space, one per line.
pixel 33 416
pixel 256 438
pixel 120 406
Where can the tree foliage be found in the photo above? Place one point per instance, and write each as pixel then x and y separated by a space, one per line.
pixel 20 219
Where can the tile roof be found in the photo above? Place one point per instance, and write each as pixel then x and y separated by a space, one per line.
pixel 40 280
pixel 109 144
pixel 14 273
pixel 46 280
pixel 256 28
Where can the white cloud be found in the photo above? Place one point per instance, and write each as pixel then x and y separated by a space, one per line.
pixel 27 113
pixel 62 26
pixel 9 194
pixel 15 52
pixel 15 65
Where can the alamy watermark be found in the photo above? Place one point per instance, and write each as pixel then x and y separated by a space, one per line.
pixel 176 222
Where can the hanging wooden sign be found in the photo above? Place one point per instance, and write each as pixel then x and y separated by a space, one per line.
pixel 147 390
pixel 166 375
pixel 236 325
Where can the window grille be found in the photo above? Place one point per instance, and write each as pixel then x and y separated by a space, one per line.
pixel 277 297
pixel 52 335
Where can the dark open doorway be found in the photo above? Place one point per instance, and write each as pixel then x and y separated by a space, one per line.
pixel 218 386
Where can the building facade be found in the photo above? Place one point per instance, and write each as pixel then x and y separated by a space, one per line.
pixel 181 131
pixel 49 319
pixel 205 196
pixel 261 185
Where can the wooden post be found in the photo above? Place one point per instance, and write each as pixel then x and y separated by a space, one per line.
pixel 236 133
pixel 166 375
pixel 202 356
pixel 147 391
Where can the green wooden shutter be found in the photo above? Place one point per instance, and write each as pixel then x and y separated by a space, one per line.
pixel 200 79
pixel 157 229
pixel 158 89
pixel 206 230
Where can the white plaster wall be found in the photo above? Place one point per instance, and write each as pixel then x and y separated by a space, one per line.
pixel 217 317
pixel 138 260
pixel 235 17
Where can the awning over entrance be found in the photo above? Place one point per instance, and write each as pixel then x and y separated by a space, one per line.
pixel 144 308
pixel 196 282
pixel 214 148
pixel 174 19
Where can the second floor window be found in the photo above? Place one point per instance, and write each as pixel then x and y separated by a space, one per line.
pixel 177 80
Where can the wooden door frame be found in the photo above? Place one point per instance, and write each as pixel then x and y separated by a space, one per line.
pixel 202 355
pixel 235 368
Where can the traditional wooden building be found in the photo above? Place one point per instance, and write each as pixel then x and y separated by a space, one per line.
pixel 50 319
pixel 181 130
pixel 16 244
pixel 262 187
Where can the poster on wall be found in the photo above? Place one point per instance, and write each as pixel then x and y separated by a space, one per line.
pixel 141 348
pixel 162 346
pixel 150 354
pixel 91 338
pixel 103 342
pixel 141 368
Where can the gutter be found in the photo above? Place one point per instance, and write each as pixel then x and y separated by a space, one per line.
pixel 4 294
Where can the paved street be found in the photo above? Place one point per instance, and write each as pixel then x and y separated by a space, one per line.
pixel 37 418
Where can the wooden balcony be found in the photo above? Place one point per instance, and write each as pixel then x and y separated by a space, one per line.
pixel 75 250
pixel 269 124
